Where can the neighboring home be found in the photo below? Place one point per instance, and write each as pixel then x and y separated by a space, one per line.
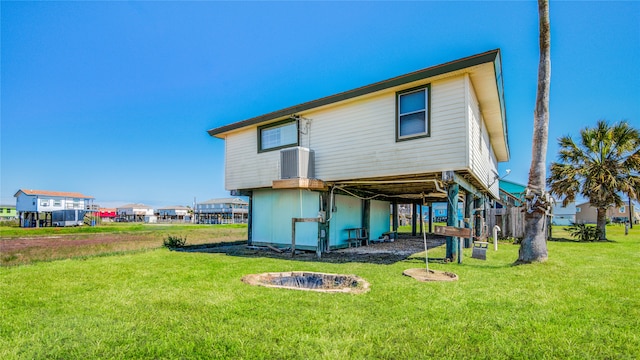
pixel 107 214
pixel 508 212
pixel 222 211
pixel 563 215
pixel 440 211
pixel 586 214
pixel 330 168
pixel 511 193
pixel 38 208
pixel 136 213
pixel 8 212
pixel 173 213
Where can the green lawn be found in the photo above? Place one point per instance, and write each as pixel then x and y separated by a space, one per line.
pixel 583 303
pixel 14 231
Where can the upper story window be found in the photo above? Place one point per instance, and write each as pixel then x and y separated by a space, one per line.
pixel 413 113
pixel 621 210
pixel 57 203
pixel 278 135
pixel 44 202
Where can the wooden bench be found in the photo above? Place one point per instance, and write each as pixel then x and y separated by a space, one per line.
pixel 356 236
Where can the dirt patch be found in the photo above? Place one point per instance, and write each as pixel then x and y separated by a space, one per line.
pixel 422 274
pixel 310 281
pixel 378 253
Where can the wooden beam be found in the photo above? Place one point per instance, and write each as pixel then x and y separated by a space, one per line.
pixel 453 231
pixel 299 183
pixel 467 186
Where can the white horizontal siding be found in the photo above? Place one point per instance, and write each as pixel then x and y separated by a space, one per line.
pixel 357 139
pixel 483 160
pixel 245 168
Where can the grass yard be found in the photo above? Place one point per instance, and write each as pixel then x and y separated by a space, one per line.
pixel 27 245
pixel 584 303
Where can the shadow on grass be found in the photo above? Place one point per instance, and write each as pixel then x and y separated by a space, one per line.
pixel 578 241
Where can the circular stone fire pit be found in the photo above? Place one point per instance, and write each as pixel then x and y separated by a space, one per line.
pixel 421 274
pixel 312 281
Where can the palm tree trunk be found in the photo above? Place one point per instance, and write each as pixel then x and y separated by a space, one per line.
pixel 601 223
pixel 533 246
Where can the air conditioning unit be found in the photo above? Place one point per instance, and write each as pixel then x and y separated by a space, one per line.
pixel 297 162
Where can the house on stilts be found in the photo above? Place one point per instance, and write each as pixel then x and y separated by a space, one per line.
pixel 320 174
pixel 44 208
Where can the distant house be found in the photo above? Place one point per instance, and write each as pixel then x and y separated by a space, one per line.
pixel 511 192
pixel 8 212
pixel 587 214
pixel 135 213
pixel 440 212
pixel 336 166
pixel 564 215
pixel 173 213
pixel 508 212
pixel 222 211
pixel 38 208
pixel 106 214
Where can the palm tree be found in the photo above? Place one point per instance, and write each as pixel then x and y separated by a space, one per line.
pixel 533 246
pixel 603 165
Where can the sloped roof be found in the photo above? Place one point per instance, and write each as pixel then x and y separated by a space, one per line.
pixel 177 207
pixel 136 206
pixel 512 187
pixel 491 100
pixel 225 201
pixel 53 193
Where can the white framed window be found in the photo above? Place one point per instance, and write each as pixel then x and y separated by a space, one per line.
pixel 621 210
pixel 578 210
pixel 413 113
pixel 57 203
pixel 44 202
pixel 277 136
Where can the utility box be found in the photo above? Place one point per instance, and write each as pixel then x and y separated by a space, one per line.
pixel 297 162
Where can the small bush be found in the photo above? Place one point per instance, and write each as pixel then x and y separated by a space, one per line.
pixel 583 232
pixel 174 241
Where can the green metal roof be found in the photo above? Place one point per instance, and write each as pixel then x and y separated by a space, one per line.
pixel 512 188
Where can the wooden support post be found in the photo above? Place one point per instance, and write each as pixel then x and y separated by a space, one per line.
pixel 394 220
pixel 478 216
pixel 421 220
pixel 430 218
pixel 468 215
pixel 452 219
pixel 366 218
pixel 293 237
pixel 250 220
pixel 414 218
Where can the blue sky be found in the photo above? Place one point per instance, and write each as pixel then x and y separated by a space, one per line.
pixel 113 99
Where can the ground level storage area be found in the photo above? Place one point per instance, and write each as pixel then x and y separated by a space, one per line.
pixel 277 208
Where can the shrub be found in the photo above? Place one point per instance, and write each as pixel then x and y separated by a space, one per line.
pixel 174 241
pixel 584 232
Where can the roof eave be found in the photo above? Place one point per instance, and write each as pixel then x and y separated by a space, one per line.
pixel 486 57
